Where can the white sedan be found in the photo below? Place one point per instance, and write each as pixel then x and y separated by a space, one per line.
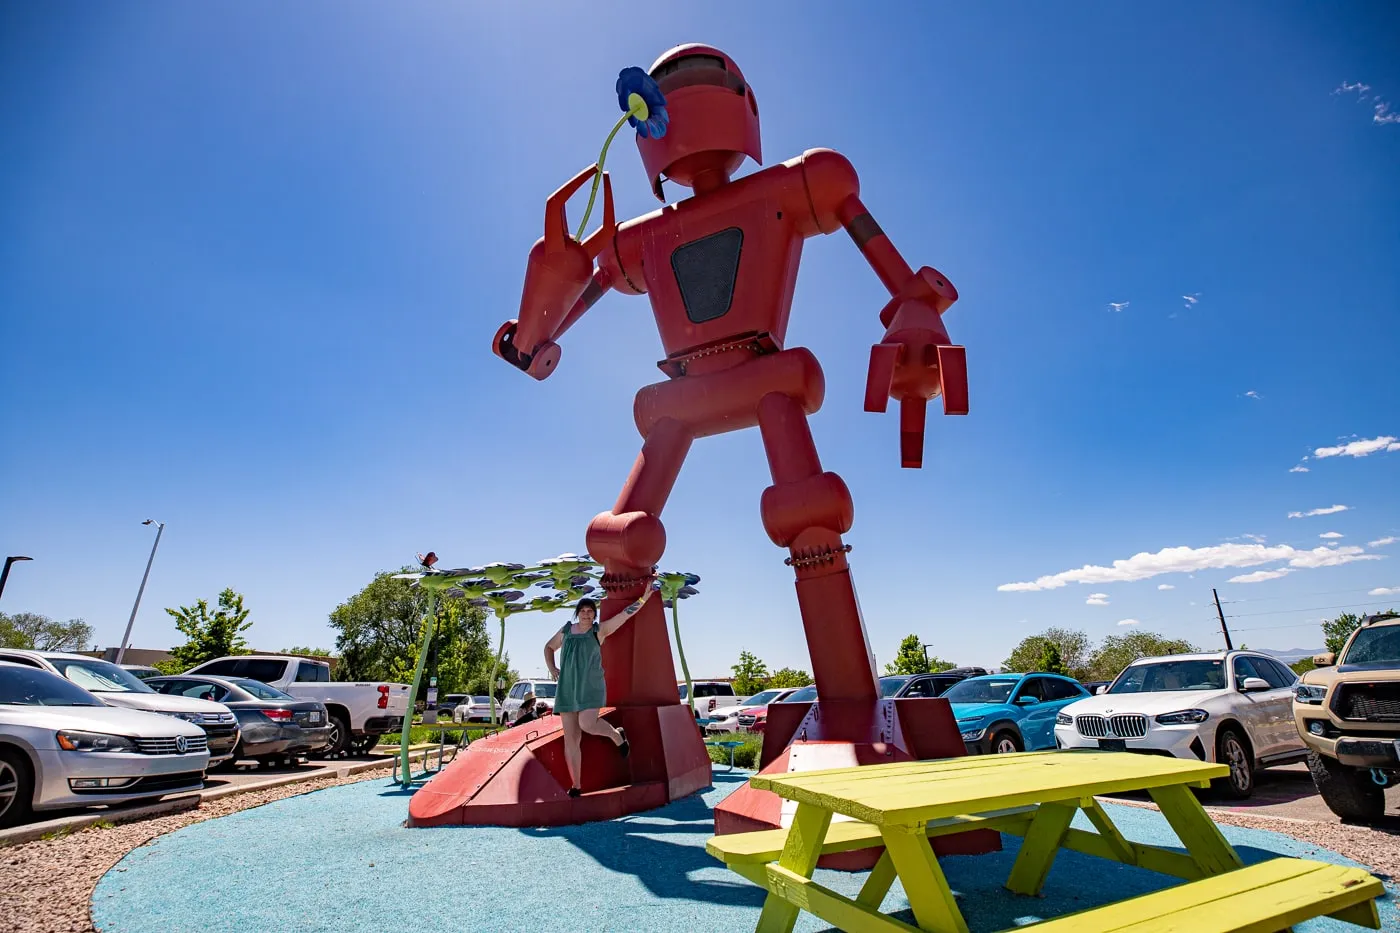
pixel 723 721
pixel 61 746
pixel 1231 707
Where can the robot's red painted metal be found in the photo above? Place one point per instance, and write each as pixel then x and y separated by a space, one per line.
pixel 720 268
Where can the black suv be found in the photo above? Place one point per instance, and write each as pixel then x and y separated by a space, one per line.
pixel 924 685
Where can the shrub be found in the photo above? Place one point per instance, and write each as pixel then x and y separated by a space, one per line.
pixel 745 756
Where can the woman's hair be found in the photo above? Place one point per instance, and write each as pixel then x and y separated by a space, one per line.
pixel 586 603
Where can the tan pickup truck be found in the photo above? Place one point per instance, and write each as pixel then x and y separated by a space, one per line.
pixel 1348 713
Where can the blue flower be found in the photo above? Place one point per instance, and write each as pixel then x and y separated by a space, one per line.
pixel 641 99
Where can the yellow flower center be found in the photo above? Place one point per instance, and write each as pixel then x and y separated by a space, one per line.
pixel 637 107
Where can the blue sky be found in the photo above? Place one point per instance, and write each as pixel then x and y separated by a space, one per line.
pixel 252 259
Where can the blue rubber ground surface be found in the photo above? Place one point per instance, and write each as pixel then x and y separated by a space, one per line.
pixel 340 860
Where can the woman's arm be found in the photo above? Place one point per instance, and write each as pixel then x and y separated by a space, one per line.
pixel 551 646
pixel 616 622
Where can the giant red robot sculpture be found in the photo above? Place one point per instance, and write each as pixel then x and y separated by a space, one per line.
pixel 719 268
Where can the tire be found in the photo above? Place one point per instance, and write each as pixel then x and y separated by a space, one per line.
pixel 1348 792
pixel 340 738
pixel 361 744
pixel 1005 742
pixel 16 788
pixel 1232 749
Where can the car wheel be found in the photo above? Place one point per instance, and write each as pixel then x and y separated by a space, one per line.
pixel 1231 749
pixel 16 788
pixel 338 742
pixel 362 744
pixel 1348 792
pixel 1006 742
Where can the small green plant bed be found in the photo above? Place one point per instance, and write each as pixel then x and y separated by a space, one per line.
pixel 745 756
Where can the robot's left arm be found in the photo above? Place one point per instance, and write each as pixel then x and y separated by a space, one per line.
pixel 916 360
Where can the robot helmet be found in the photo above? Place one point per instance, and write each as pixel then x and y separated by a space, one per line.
pixel 714 117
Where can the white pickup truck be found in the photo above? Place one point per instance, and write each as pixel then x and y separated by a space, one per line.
pixel 710 695
pixel 359 712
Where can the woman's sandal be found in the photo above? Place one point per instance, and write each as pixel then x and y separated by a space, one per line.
pixel 625 748
pixel 574 791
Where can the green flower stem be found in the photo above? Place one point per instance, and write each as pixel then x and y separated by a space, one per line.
pixel 496 668
pixel 680 649
pixel 598 178
pixel 429 626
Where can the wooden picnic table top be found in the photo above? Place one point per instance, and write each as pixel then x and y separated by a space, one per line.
pixel 911 792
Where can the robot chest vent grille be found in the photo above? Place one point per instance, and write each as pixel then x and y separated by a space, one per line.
pixel 706 270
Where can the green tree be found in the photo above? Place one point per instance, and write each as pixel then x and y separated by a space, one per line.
pixel 379 631
pixel 1302 666
pixel 209 635
pixel 1118 651
pixel 1050 660
pixel 317 652
pixel 910 658
pixel 789 677
pixel 750 674
pixel 36 632
pixel 1073 646
pixel 1337 631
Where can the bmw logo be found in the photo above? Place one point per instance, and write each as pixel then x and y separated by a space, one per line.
pixel 182 745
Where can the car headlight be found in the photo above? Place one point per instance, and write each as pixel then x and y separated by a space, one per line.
pixel 1183 716
pixel 195 718
pixel 971 729
pixel 1310 694
pixel 1063 720
pixel 72 741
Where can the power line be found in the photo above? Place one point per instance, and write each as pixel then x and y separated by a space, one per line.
pixel 1260 599
pixel 1271 612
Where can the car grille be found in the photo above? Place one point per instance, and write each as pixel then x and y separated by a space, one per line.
pixel 1369 702
pixel 191 779
pixel 747 720
pixel 1124 726
pixel 166 746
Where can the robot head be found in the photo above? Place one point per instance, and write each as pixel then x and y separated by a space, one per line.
pixel 714 118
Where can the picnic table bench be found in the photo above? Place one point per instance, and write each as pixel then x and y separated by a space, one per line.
pixel 1034 795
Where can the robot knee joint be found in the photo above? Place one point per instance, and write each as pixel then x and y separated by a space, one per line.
pixel 819 501
pixel 636 539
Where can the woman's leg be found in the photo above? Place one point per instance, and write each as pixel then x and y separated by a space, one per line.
pixel 573 753
pixel 589 722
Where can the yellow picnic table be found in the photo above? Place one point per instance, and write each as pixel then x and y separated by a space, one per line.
pixel 1034 795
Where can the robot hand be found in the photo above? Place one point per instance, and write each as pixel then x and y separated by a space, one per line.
pixel 538 363
pixel 915 362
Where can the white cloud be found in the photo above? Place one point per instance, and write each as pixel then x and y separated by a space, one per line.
pixel 1362 448
pixel 1143 565
pixel 1382 542
pixel 1380 110
pixel 1385 591
pixel 1191 300
pixel 1382 114
pixel 1165 586
pixel 1257 539
pixel 1128 622
pixel 1259 576
pixel 1358 87
pixel 1097 599
pixel 1254 395
pixel 1299 469
pixel 1118 305
pixel 1330 510
pixel 1331 534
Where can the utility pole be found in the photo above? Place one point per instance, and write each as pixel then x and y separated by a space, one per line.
pixel 1221 613
pixel 126 637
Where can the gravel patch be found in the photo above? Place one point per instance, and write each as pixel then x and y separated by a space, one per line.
pixel 46 886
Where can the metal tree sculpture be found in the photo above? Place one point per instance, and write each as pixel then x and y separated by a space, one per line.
pixel 674 587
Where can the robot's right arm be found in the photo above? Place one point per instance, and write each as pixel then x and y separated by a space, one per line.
pixel 560 283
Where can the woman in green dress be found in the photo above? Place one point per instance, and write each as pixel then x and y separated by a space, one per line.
pixel 582 690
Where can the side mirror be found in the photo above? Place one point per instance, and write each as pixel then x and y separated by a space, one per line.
pixel 1101 688
pixel 1326 659
pixel 1254 684
pixel 1026 700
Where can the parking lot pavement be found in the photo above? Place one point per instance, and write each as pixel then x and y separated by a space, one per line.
pixel 249 772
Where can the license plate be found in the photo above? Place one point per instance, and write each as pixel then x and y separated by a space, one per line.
pixel 1113 745
pixel 314 717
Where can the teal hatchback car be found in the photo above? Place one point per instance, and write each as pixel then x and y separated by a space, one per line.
pixel 1011 712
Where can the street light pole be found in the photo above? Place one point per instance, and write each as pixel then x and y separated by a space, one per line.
pixel 5 574
pixel 126 638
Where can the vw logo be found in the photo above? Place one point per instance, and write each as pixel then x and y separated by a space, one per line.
pixel 182 745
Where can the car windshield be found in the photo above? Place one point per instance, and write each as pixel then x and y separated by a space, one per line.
pixel 545 691
pixel 1166 676
pixel 805 695
pixel 260 690
pixel 27 686
pixel 99 676
pixel 1374 645
pixel 762 699
pixel 981 691
pixel 889 686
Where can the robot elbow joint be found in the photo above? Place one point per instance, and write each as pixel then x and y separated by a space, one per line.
pixel 831 182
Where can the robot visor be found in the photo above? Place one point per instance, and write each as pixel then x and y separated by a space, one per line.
pixel 696 70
